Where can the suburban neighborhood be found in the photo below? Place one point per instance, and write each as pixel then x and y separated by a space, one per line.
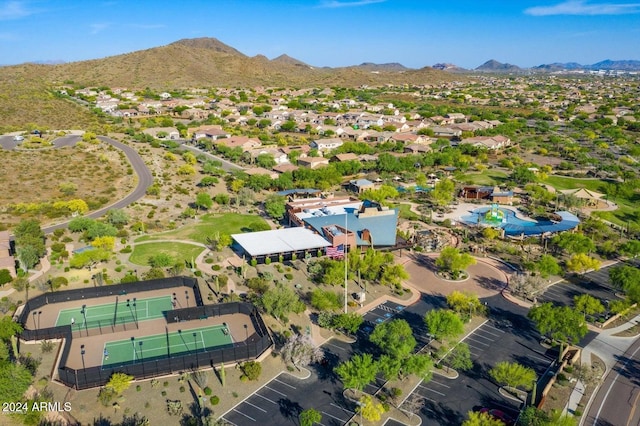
pixel 457 253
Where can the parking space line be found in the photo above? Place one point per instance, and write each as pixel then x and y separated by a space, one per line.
pixel 541 359
pixel 431 390
pixel 255 406
pixel 231 423
pixel 477 334
pixel 243 414
pixel 334 346
pixel 480 343
pixel 490 333
pixel 475 347
pixel 496 329
pixel 280 393
pixel 264 397
pixel 441 384
pixel 286 384
pixel 342 408
pixel 337 418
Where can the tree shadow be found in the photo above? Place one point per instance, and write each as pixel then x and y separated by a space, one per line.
pixel 290 410
pixel 439 413
pixel 490 283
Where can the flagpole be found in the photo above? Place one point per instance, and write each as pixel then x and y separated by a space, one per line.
pixel 346 252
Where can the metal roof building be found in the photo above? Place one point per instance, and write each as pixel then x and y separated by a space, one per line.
pixel 279 241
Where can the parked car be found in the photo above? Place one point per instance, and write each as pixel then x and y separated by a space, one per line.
pixel 500 415
pixel 18 138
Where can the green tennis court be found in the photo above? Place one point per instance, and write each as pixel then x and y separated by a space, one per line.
pixel 164 345
pixel 125 310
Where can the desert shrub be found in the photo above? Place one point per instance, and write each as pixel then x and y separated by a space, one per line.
pixel 251 370
pixel 208 391
pixel 214 400
pixel 47 346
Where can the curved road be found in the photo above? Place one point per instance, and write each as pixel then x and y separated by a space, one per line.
pixel 617 402
pixel 145 179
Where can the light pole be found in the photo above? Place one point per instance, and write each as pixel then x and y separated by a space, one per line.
pixel 246 341
pixel 186 295
pixel 141 357
pixel 135 315
pixel 34 320
pixel 39 314
pixel 133 343
pixel 470 308
pixel 195 342
pixel 84 369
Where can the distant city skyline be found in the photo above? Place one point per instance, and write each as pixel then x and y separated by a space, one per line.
pixel 330 32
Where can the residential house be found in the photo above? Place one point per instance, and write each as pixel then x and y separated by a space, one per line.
pixel 210 132
pixel 279 156
pixel 360 185
pixel 327 144
pixel 446 132
pixel 417 148
pixel 284 168
pixel 492 143
pixel 313 162
pixel 339 158
pixel 162 132
pixel 246 143
pixel 7 260
pixel 261 171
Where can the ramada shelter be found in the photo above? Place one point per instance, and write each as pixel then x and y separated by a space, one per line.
pixel 321 225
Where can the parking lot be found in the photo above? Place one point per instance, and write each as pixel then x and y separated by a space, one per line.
pixel 281 401
pixel 507 336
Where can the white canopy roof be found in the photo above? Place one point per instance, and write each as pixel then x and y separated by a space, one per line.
pixel 279 241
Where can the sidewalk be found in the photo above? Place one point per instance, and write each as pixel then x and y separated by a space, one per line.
pixel 606 346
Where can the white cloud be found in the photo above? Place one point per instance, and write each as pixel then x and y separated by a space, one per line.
pixel 13 10
pixel 582 7
pixel 334 4
pixel 98 28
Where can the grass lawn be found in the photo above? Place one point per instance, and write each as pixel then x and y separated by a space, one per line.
pixel 179 251
pixel 486 177
pixel 405 211
pixel 563 182
pixel 228 223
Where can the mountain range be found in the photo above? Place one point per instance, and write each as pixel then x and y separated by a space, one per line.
pixel 606 65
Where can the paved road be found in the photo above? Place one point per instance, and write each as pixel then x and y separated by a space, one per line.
pixel 227 166
pixel 144 174
pixel 617 402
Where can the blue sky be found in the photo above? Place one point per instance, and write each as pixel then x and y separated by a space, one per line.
pixel 330 32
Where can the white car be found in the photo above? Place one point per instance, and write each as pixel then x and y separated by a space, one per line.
pixel 18 138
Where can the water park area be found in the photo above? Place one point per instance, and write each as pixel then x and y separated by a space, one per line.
pixel 514 224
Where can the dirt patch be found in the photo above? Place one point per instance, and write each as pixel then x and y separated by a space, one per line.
pixel 97 174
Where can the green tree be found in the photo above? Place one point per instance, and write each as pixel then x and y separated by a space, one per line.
pixel 460 357
pixel 522 175
pixel 5 276
pixel 561 323
pixel 119 382
pixel 587 304
pixel 464 303
pixel 251 370
pixel 454 262
pixel 443 192
pixel 476 418
pixel 574 243
pixel 265 160
pixel 280 301
pixel 349 322
pixel 513 375
pixel 309 417
pixel 631 248
pixel 8 328
pixel 117 217
pixel 161 260
pixel 203 201
pixel 153 274
pixel 582 263
pixel 325 300
pixel 358 371
pixel 547 265
pixel 14 381
pixel 274 206
pixel 627 278
pixel 370 409
pixel 394 338
pixel 443 324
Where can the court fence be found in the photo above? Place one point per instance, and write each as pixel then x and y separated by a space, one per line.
pixel 252 347
pixel 84 378
pixel 57 332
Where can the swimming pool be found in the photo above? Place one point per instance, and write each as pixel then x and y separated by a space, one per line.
pixel 513 225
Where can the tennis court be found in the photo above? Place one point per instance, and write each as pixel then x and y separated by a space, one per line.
pixel 124 310
pixel 164 345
